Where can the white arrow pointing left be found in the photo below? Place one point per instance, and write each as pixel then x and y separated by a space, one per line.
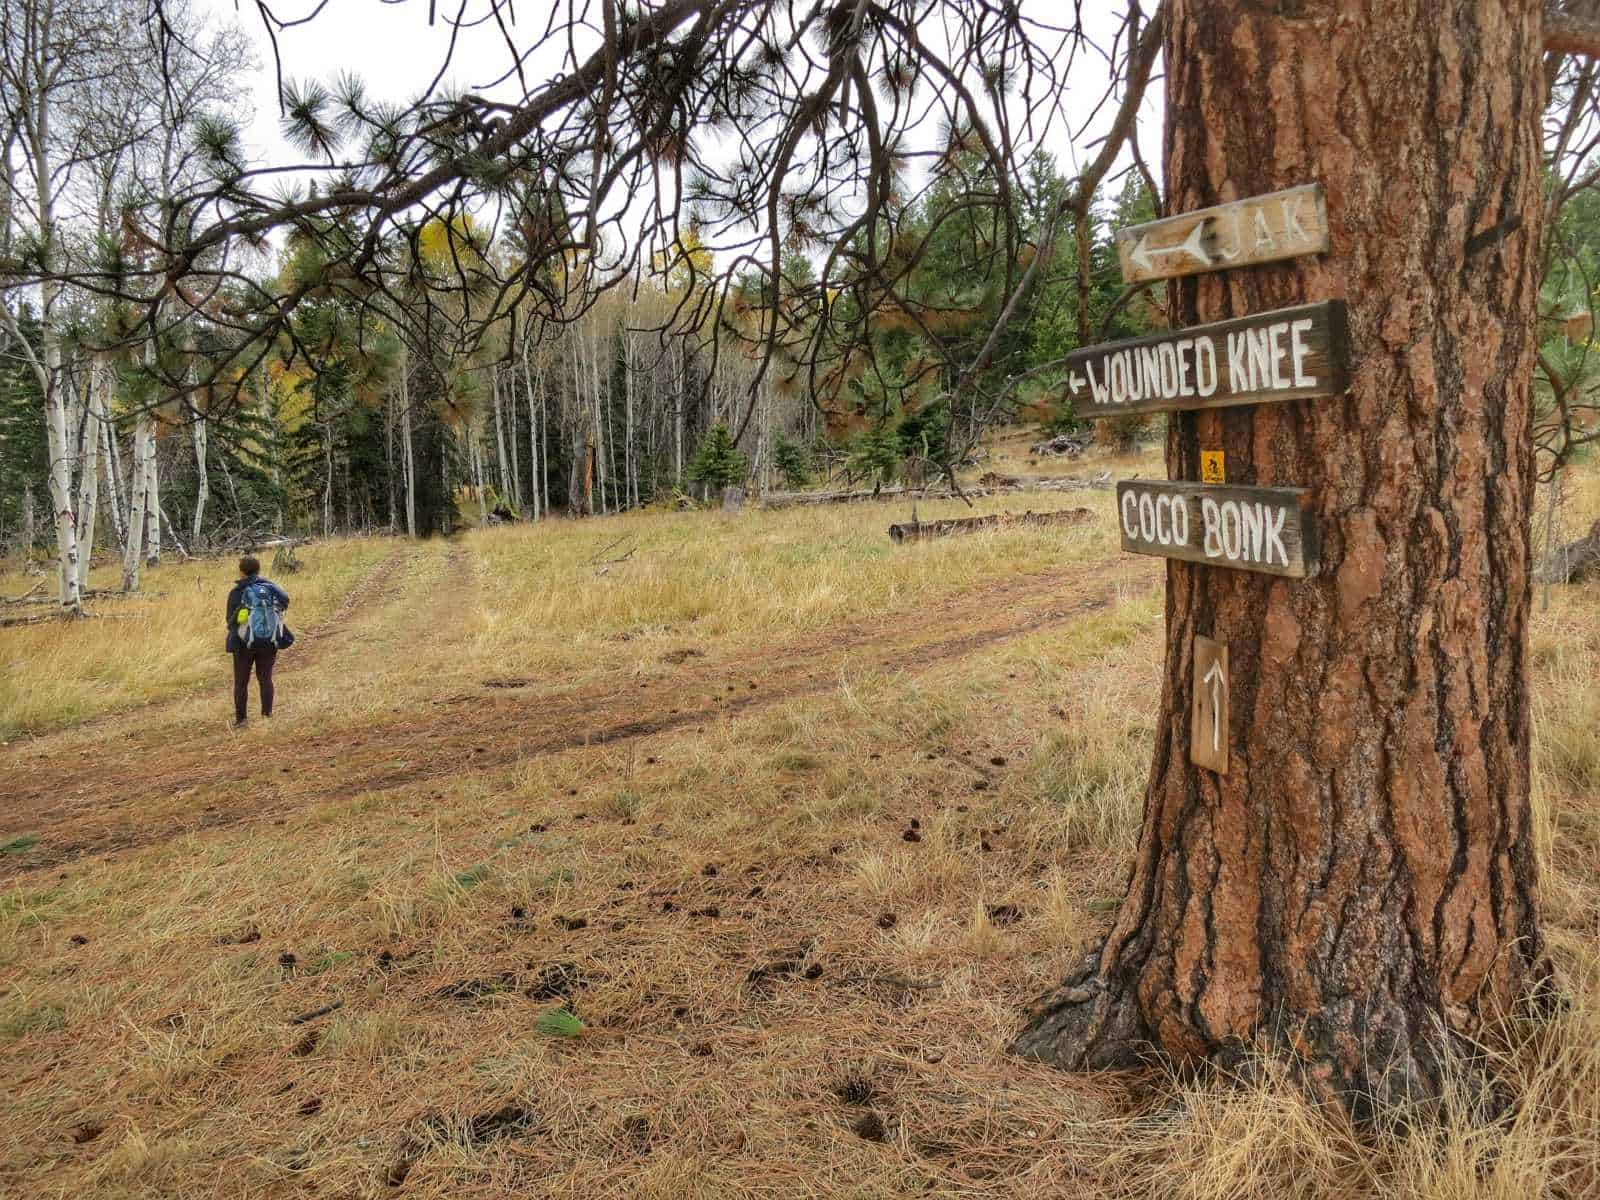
pixel 1142 252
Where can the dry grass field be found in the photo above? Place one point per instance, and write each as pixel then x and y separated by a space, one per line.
pixel 792 820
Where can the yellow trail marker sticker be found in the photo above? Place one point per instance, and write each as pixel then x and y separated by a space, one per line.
pixel 1213 466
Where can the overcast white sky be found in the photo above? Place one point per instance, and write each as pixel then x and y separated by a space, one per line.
pixel 395 50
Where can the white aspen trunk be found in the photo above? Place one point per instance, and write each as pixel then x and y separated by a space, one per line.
pixel 388 458
pixel 202 492
pixel 138 500
pixel 112 473
pixel 544 442
pixel 678 393
pixel 475 450
pixel 533 429
pixel 408 457
pixel 580 472
pixel 31 110
pixel 89 485
pixel 172 533
pixel 602 402
pixel 596 468
pixel 501 465
pixel 629 485
pixel 152 499
pixel 58 433
pixel 516 457
pixel 591 418
pixel 327 487
pixel 533 456
pixel 29 531
pixel 60 480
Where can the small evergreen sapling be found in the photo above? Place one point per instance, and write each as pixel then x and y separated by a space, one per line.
pixel 874 455
pixel 716 463
pixel 792 462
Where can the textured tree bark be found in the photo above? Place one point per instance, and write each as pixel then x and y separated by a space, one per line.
pixel 1359 891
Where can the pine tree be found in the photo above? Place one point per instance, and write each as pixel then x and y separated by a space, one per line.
pixel 791 461
pixel 874 456
pixel 716 463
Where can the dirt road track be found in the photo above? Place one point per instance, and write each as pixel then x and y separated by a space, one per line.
pixel 82 808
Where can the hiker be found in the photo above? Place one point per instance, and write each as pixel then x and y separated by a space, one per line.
pixel 256 632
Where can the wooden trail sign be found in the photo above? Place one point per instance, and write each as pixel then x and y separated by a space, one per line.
pixel 1286 354
pixel 1208 731
pixel 1244 233
pixel 1251 528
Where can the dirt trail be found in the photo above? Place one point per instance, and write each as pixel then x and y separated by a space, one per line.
pixel 115 801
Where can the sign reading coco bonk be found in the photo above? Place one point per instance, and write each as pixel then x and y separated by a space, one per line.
pixel 1253 528
pixel 1288 354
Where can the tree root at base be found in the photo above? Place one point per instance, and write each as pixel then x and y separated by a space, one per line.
pixel 1393 1065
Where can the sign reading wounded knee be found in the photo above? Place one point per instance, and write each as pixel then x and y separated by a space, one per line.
pixel 1290 354
pixel 1250 528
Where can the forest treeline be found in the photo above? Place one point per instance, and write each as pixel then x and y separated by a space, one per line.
pixel 429 402
pixel 378 413
pixel 343 426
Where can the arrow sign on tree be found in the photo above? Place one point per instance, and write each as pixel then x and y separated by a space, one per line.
pixel 1296 353
pixel 1215 680
pixel 1208 742
pixel 1143 254
pixel 1244 233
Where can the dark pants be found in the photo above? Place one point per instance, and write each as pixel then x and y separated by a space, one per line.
pixel 262 658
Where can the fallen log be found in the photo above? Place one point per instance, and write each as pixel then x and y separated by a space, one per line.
pixel 789 499
pixel 61 614
pixel 989 485
pixel 916 531
pixel 1573 563
pixel 88 594
pixel 1065 483
pixel 1062 444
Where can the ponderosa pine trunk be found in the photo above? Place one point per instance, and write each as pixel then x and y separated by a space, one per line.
pixel 1358 893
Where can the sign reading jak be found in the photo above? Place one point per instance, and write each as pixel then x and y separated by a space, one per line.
pixel 1288 354
pixel 1251 528
pixel 1243 233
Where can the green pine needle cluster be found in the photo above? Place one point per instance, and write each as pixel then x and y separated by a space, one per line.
pixel 558 1022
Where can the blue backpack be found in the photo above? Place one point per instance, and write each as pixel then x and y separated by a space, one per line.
pixel 264 624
